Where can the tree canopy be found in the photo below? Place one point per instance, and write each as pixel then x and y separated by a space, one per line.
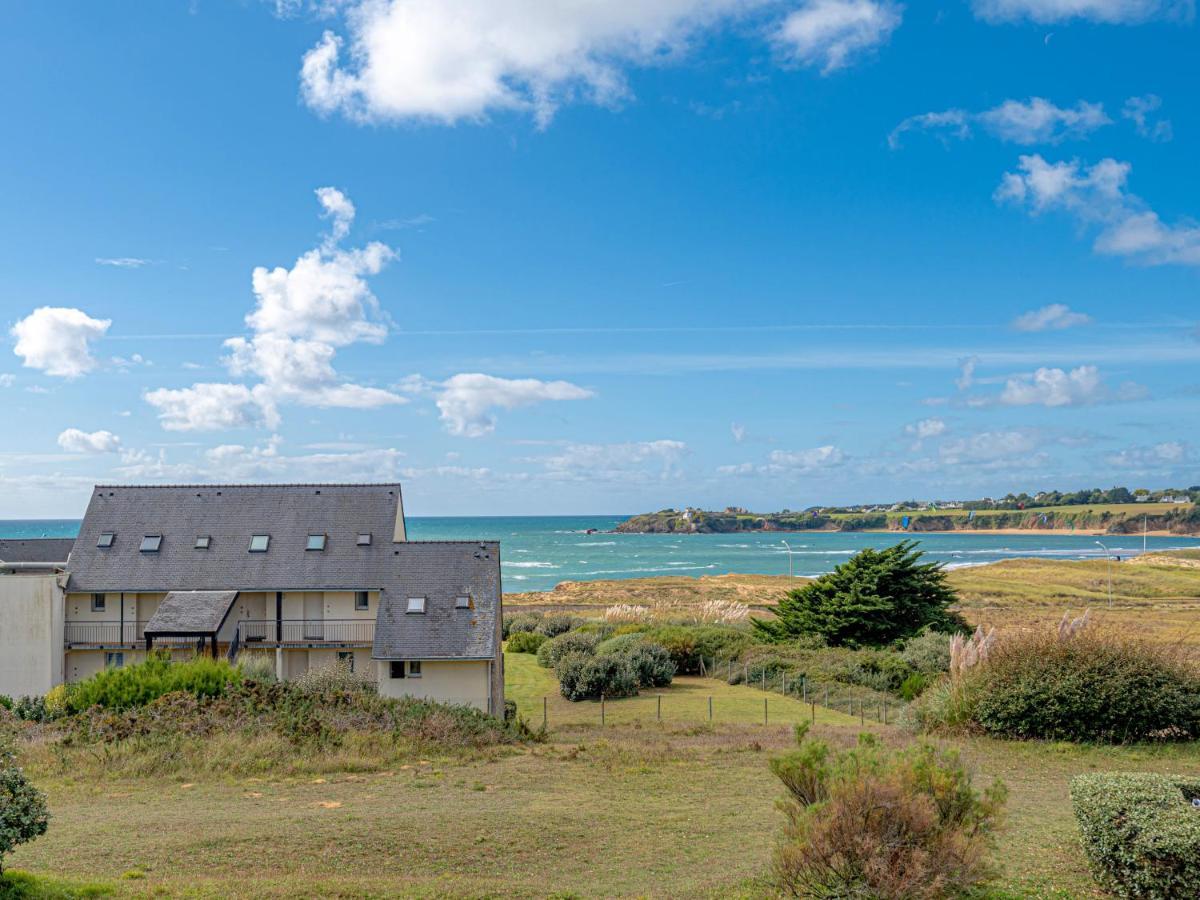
pixel 872 599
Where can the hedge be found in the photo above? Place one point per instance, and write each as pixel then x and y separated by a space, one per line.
pixel 1141 832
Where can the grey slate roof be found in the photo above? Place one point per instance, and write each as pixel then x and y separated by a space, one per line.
pixel 191 612
pixel 437 570
pixel 35 549
pixel 230 514
pixel 440 572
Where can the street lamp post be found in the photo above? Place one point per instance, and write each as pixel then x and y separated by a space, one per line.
pixel 789 553
pixel 1109 555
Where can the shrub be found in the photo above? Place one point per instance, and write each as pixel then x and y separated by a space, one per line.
pixel 559 623
pixel 869 822
pixel 688 644
pixel 872 599
pixel 525 642
pixel 1140 833
pixel 23 814
pixel 30 709
pixel 651 663
pixel 55 701
pixel 258 667
pixel 555 649
pixel 928 652
pixel 6 701
pixel 138 684
pixel 337 677
pixel 585 677
pixel 518 622
pixel 948 704
pixel 1092 686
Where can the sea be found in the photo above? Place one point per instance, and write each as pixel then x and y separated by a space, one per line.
pixel 538 552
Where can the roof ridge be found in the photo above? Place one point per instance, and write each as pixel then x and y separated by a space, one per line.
pixel 256 484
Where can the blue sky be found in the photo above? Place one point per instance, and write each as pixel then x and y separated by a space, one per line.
pixel 530 257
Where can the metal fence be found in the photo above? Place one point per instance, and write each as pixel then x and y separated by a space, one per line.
pixel 272 632
pixel 115 634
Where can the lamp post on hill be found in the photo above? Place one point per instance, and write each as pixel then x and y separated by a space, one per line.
pixel 1109 555
pixel 789 553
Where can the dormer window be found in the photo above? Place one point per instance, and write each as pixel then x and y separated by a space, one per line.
pixel 151 543
pixel 364 539
pixel 259 543
pixel 106 540
pixel 203 541
pixel 462 602
pixel 315 542
pixel 416 604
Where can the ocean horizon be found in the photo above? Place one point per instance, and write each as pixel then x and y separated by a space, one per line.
pixel 539 552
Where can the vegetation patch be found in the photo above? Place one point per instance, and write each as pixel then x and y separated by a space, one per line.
pixel 1141 832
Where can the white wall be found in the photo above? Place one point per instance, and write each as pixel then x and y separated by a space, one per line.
pixel 458 681
pixel 31 634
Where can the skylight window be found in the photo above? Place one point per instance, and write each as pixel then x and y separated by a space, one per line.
pixel 364 539
pixel 106 539
pixel 462 602
pixel 416 604
pixel 315 542
pixel 203 541
pixel 151 543
pixel 259 543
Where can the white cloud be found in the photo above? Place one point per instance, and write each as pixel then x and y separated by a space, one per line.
pixel 832 34
pixel 803 461
pixel 990 447
pixel 467 400
pixel 966 373
pixel 738 432
pixel 1138 110
pixel 337 207
pixel 123 262
pixel 212 407
pixel 75 441
pixel 1158 456
pixel 459 60
pixel 1097 196
pixel 1113 12
pixel 7 380
pixel 1054 317
pixel 1081 386
pixel 926 428
pixel 622 462
pixel 1032 121
pixel 58 340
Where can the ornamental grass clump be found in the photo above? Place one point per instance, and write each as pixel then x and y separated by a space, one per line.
pixel 880 823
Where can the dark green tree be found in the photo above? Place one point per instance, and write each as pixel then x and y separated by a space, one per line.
pixel 872 599
pixel 23 813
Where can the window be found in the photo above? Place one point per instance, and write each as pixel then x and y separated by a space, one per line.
pixel 361 600
pixel 114 660
pixel 98 602
pixel 364 539
pixel 315 542
pixel 106 539
pixel 462 602
pixel 347 657
pixel 151 543
pixel 414 669
pixel 259 542
pixel 396 668
pixel 416 604
pixel 203 541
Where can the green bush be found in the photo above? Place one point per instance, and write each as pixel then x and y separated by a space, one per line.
pixel 1094 686
pixel 620 642
pixel 928 652
pixel 913 686
pixel 559 623
pixel 874 598
pixel 556 648
pixel 31 709
pixel 525 642
pixel 336 677
pixel 586 677
pixel 138 684
pixel 688 644
pixel 651 663
pixel 23 814
pixel 519 622
pixel 873 822
pixel 947 705
pixel 6 701
pixel 1140 832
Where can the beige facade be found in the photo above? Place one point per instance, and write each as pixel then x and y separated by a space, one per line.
pixel 31 633
pixel 466 682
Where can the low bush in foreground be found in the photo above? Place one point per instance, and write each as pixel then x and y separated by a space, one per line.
pixel 23 814
pixel 525 642
pixel 872 822
pixel 138 684
pixel 1140 832
pixel 519 622
pixel 585 677
pixel 556 648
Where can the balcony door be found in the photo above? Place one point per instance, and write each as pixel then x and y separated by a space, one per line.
pixel 314 616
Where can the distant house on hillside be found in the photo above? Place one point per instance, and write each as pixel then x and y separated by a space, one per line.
pixel 309 574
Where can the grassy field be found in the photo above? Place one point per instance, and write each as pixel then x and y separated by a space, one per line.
pixel 638 808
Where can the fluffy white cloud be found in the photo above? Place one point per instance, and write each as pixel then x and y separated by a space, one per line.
pixel 73 440
pixel 738 431
pixel 1097 196
pixel 1055 387
pixel 467 400
pixel 58 340
pixel 966 373
pixel 1054 317
pixel 803 461
pixel 1128 12
pixel 461 59
pixel 926 428
pixel 989 448
pixel 1032 121
pixel 212 407
pixel 623 462
pixel 831 34
pixel 1158 456
pixel 337 207
pixel 1138 110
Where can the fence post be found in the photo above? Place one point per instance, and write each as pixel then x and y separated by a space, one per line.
pixel 804 688
pixel 543 714
pixel 660 707
pixel 885 710
pixel 729 676
pixel 827 695
pixel 710 709
pixel 784 677
pixel 764 678
pixel 764 710
pixel 862 715
pixel 814 712
pixel 601 710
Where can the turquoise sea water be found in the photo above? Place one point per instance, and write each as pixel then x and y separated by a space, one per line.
pixel 537 552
